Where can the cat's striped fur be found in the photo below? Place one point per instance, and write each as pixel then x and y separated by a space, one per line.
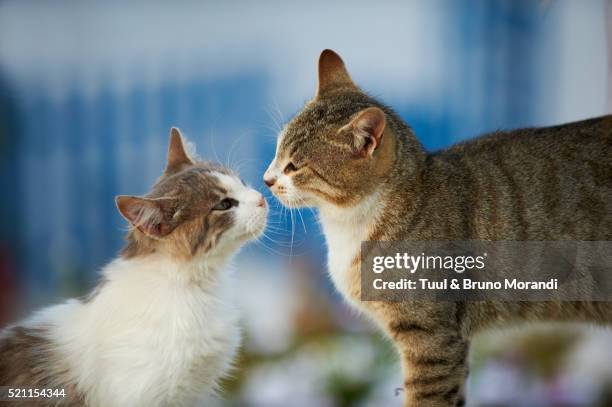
pixel 355 160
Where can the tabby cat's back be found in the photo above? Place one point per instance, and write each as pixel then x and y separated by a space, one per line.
pixel 546 183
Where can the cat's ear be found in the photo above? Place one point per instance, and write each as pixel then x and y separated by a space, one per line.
pixel 332 73
pixel 153 217
pixel 177 157
pixel 368 128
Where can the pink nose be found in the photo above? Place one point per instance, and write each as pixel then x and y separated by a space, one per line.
pixel 269 181
pixel 261 202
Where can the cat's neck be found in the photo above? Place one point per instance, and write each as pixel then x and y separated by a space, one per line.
pixel 345 228
pixel 354 217
pixel 200 271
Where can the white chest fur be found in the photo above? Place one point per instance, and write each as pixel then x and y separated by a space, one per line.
pixel 343 244
pixel 344 231
pixel 158 333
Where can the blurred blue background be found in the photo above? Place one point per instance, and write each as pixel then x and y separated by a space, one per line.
pixel 89 91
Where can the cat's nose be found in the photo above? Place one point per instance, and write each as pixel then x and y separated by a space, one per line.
pixel 262 202
pixel 269 180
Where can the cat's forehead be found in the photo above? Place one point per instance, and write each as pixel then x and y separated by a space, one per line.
pixel 210 167
pixel 320 120
pixel 228 181
pixel 304 129
pixel 203 178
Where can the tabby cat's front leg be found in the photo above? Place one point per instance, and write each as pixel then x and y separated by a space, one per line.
pixel 434 363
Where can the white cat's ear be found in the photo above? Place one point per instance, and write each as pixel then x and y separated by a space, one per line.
pixel 153 217
pixel 177 156
pixel 368 129
pixel 332 73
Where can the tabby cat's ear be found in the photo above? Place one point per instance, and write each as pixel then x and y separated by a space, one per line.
pixel 332 73
pixel 153 217
pixel 177 157
pixel 368 129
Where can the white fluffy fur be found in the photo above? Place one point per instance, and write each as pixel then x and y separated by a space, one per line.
pixel 158 333
pixel 344 230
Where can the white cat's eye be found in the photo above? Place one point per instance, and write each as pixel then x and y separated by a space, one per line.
pixel 289 168
pixel 225 204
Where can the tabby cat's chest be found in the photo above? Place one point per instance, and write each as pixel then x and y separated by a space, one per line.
pixel 345 229
pixel 343 250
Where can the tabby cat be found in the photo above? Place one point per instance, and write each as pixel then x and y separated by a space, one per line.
pixel 160 330
pixel 355 160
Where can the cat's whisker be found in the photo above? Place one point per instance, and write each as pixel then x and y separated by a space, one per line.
pixel 270 116
pixel 276 120
pixel 270 250
pixel 277 125
pixel 271 132
pixel 279 233
pixel 301 202
pixel 275 241
pixel 232 149
pixel 292 228
pixel 281 118
pixel 270 136
pixel 275 210
pixel 283 244
pixel 275 227
pixel 211 142
pixel 240 165
pixel 275 222
pixel 302 219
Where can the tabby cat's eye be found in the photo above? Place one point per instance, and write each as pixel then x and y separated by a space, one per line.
pixel 289 169
pixel 225 204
